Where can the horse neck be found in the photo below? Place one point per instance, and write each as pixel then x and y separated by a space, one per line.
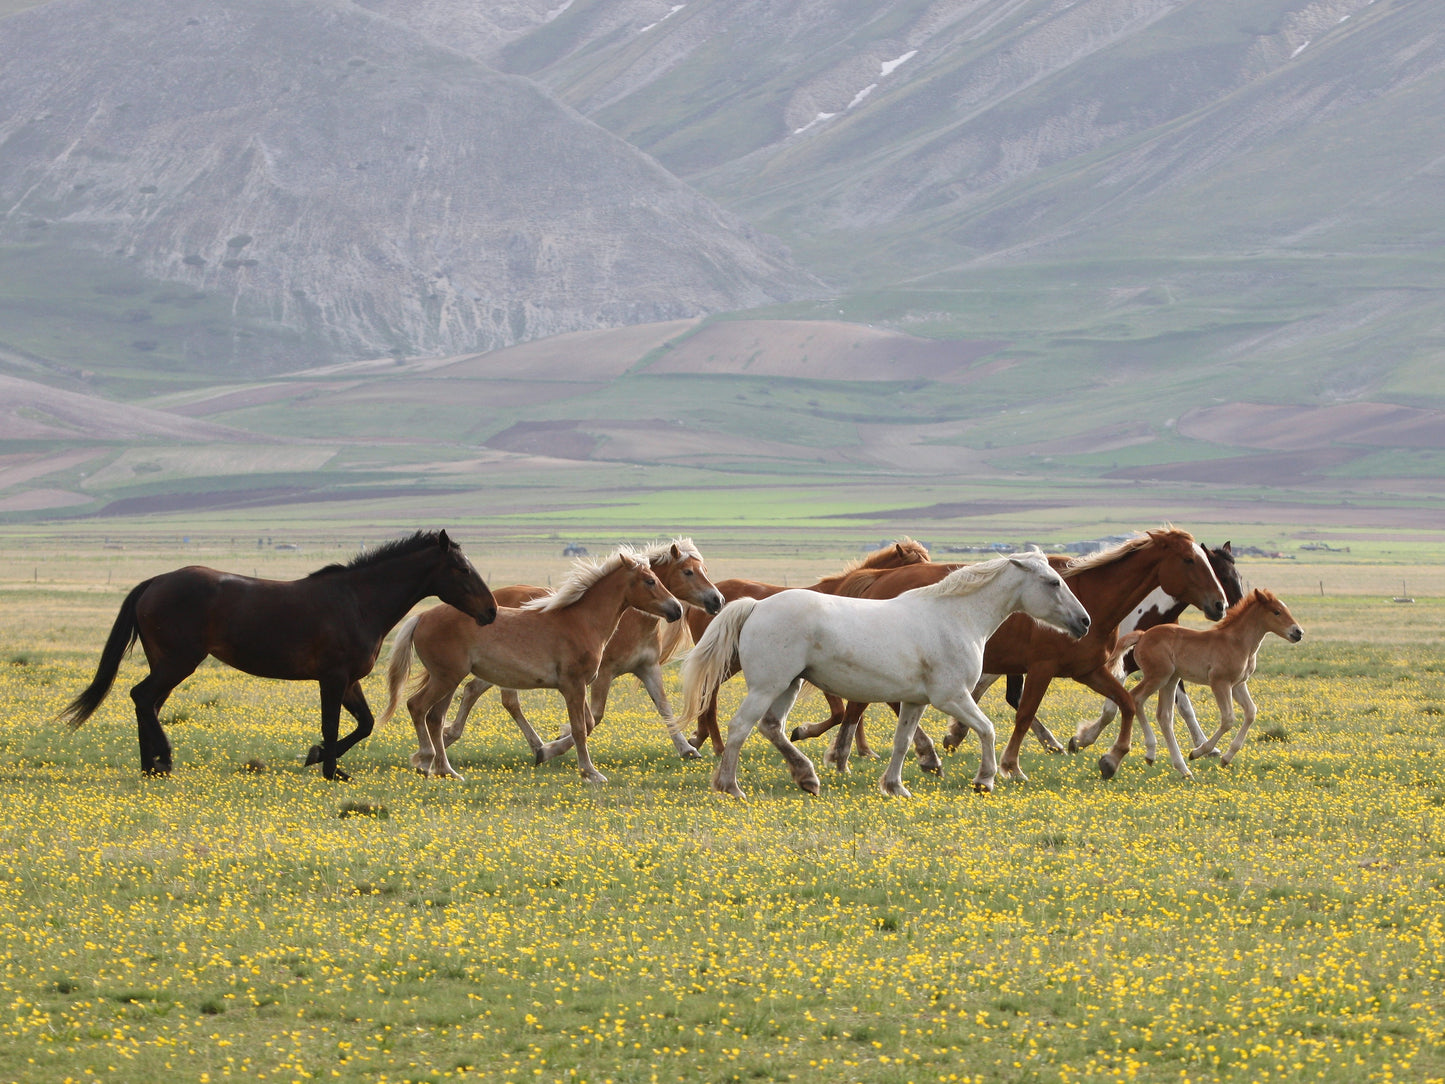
pixel 1247 631
pixel 387 591
pixel 1112 592
pixel 601 606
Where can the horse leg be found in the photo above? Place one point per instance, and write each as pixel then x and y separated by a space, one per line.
pixel 332 690
pixel 964 709
pixel 707 728
pixel 836 712
pixel 1103 681
pixel 149 695
pixel 956 728
pixel 1185 707
pixel 1223 693
pixel 473 691
pixel 891 782
pixel 771 724
pixel 1246 704
pixel 1036 683
pixel 1086 733
pixel 579 717
pixel 842 744
pixel 750 711
pixel 426 705
pixel 651 678
pixel 1164 712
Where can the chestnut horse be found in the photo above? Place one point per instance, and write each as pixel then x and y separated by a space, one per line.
pixel 1160 608
pixel 554 642
pixel 641 645
pixel 904 551
pixel 325 628
pixel 1224 658
pixel 1110 583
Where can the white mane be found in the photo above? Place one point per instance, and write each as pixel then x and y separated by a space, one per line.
pixel 584 573
pixel 660 553
pixel 965 580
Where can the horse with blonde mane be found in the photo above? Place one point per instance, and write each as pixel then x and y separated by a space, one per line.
pixel 923 647
pixel 1223 657
pixel 903 551
pixel 555 642
pixel 641 646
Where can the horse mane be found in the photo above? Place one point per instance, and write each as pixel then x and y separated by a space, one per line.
pixel 579 580
pixel 1260 596
pixel 965 580
pixel 387 551
pixel 885 559
pixel 1129 546
pixel 675 636
pixel 660 553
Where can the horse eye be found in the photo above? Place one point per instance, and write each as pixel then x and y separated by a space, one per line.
pixel 687 572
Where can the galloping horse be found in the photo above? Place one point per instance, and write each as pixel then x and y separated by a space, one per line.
pixel 554 642
pixel 326 628
pixel 1223 657
pixel 904 551
pixel 1110 584
pixel 923 647
pixel 641 645
pixel 1160 608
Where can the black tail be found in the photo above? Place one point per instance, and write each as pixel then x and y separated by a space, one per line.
pixel 1013 687
pixel 122 638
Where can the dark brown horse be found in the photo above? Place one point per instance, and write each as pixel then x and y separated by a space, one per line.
pixel 1110 584
pixel 325 628
pixel 904 551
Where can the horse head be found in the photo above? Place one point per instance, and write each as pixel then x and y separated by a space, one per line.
pixel 457 583
pixel 1277 617
pixel 646 592
pixel 685 575
pixel 1185 572
pixel 1221 559
pixel 1046 598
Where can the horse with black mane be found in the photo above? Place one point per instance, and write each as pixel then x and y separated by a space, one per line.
pixel 326 628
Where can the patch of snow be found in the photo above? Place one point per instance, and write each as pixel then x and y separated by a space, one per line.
pixel 888 66
pixel 1298 51
pixel 675 9
pixel 819 119
pixel 556 11
pixel 862 94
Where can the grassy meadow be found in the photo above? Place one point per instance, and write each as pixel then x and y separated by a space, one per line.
pixel 1282 919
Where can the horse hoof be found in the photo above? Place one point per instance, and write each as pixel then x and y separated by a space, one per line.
pixel 538 756
pixel 811 786
pixel 982 787
pixel 932 769
pixel 594 777
pixel 894 790
pixel 731 791
pixel 796 734
pixel 691 754
pixel 1148 759
pixel 1073 745
pixel 1107 767
pixel 314 755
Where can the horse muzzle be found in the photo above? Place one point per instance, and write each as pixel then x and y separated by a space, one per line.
pixel 1215 610
pixel 714 602
pixel 1296 634
pixel 1079 627
pixel 485 617
pixel 672 611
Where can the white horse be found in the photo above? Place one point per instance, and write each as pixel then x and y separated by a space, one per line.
pixel 923 647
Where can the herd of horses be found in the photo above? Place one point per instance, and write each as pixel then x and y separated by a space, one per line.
pixel 894 628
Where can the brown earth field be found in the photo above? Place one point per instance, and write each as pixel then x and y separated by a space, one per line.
pixel 822 350
pixel 1293 428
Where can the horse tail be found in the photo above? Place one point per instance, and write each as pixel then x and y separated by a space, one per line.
pixel 708 664
pixel 123 635
pixel 673 636
pixel 1122 648
pixel 398 665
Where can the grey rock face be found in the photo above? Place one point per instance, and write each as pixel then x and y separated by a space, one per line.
pixel 336 174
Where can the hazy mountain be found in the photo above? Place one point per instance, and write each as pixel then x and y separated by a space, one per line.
pixel 330 173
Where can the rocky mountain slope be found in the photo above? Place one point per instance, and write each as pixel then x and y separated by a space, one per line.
pixel 333 175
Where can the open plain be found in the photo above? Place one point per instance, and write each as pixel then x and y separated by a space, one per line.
pixel 1282 919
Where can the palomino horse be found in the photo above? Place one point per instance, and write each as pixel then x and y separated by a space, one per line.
pixel 923 647
pixel 641 645
pixel 325 628
pixel 1160 608
pixel 904 551
pixel 554 642
pixel 1223 658
pixel 1110 584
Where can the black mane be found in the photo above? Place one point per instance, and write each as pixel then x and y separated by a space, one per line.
pixel 397 547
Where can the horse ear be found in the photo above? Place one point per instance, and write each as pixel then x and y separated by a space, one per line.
pixel 1227 548
pixel 676 553
pixel 442 538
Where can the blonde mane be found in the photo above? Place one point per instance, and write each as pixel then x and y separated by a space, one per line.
pixel 965 580
pixel 660 553
pixel 585 572
pixel 1099 558
pixel 917 551
pixel 675 636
